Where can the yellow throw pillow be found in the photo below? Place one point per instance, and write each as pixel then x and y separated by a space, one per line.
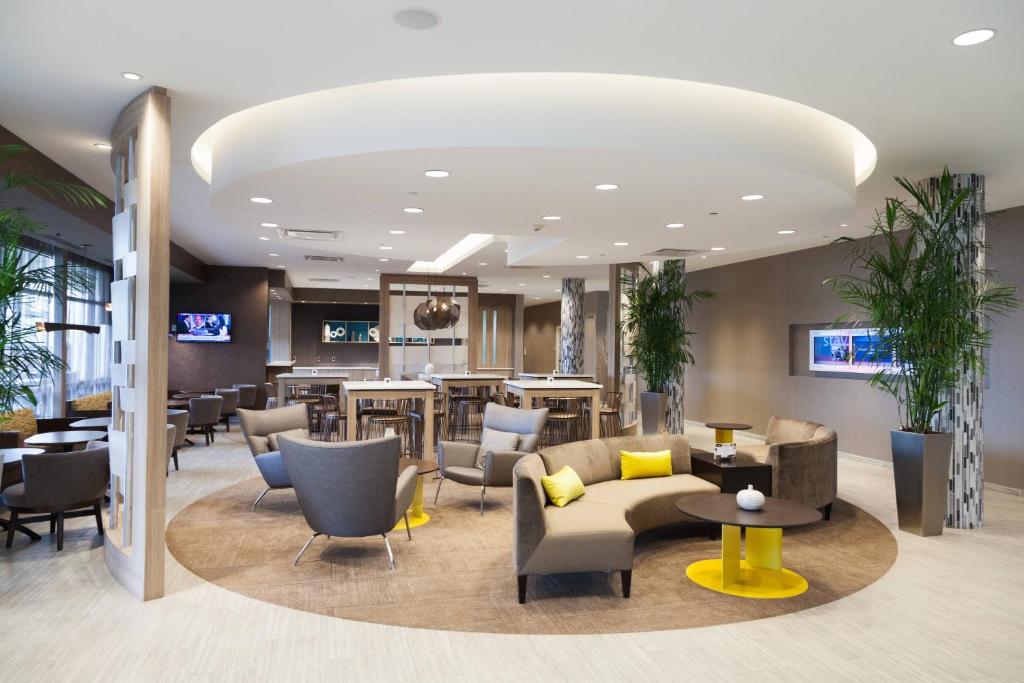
pixel 643 465
pixel 563 487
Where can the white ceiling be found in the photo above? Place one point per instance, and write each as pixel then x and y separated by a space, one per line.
pixel 886 68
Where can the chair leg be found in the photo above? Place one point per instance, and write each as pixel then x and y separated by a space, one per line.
pixel 391 556
pixel 60 531
pixel 10 528
pixel 259 498
pixel 627 579
pixel 53 522
pixel 438 493
pixel 522 588
pixel 99 518
pixel 408 529
pixel 826 512
pixel 174 455
pixel 483 490
pixel 311 538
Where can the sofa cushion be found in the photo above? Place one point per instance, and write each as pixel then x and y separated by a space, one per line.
pixel 272 442
pixel 597 460
pixel 649 503
pixel 494 440
pixel 563 487
pixel 755 452
pixel 474 476
pixel 641 465
pixel 788 429
pixel 582 537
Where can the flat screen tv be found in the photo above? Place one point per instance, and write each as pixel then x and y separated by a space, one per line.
pixel 849 350
pixel 203 327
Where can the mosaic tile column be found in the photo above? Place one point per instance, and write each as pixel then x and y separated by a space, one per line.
pixel 962 415
pixel 674 416
pixel 570 352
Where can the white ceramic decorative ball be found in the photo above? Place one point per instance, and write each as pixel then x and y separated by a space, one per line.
pixel 428 369
pixel 750 498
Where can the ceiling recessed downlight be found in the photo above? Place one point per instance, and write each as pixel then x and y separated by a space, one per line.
pixel 417 18
pixel 975 37
pixel 261 200
pixel 481 264
pixel 675 225
pixel 281 266
pixel 545 276
pixel 412 209
pixel 582 256
pixel 621 244
pixel 717 248
pixel 385 247
pixel 269 225
pixel 752 197
pixel 265 239
pixel 551 218
pixel 437 173
pixel 383 260
pixel 844 225
pixel 105 146
pixel 786 232
pixel 606 186
pixel 273 254
pixel 397 232
pixel 131 76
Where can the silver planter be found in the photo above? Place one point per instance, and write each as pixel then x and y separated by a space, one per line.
pixel 920 465
pixel 653 407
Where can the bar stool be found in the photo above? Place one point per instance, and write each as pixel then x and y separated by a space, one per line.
pixel 611 423
pixel 271 391
pixel 465 416
pixel 564 421
pixel 440 422
pixel 397 418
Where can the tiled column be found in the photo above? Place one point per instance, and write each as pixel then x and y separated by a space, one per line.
pixel 962 415
pixel 674 415
pixel 570 352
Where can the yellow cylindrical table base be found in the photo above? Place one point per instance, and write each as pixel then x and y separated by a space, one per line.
pixel 760 575
pixel 723 436
pixel 417 517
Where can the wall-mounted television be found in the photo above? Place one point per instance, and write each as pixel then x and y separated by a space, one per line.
pixel 848 350
pixel 203 327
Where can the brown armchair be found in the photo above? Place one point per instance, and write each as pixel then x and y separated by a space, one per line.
pixel 803 456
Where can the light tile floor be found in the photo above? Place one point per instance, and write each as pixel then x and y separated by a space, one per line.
pixel 951 609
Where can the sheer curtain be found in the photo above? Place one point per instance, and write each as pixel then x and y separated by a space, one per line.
pixel 88 355
pixel 40 308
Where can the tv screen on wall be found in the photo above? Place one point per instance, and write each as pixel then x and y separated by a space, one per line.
pixel 847 350
pixel 203 327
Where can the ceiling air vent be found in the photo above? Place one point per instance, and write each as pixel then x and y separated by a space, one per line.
pixel 324 279
pixel 309 235
pixel 318 257
pixel 673 253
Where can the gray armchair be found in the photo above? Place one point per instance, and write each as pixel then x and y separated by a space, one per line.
pixel 462 462
pixel 261 429
pixel 178 418
pixel 803 456
pixel 60 485
pixel 350 489
pixel 204 415
pixel 229 406
pixel 246 395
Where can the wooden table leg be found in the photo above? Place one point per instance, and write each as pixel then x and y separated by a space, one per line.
pixel 428 433
pixel 352 417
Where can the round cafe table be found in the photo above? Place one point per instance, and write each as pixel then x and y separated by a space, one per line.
pixel 760 574
pixel 93 423
pixel 417 517
pixel 12 475
pixel 66 440
pixel 724 430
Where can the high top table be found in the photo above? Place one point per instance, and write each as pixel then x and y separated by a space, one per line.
pixel 527 390
pixel 354 391
pixel 555 375
pixel 445 381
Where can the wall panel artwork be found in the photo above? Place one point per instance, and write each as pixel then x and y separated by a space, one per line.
pixel 134 544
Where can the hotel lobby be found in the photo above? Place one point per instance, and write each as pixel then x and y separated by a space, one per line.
pixel 575 341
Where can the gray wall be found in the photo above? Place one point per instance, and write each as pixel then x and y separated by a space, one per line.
pixel 743 353
pixel 307 330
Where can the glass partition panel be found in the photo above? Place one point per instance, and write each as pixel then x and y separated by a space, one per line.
pixel 411 347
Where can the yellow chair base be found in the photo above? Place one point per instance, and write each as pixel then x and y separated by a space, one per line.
pixel 754 582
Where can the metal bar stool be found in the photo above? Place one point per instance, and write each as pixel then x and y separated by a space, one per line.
pixel 564 421
pixel 611 423
pixel 397 418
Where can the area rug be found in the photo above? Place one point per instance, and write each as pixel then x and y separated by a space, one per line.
pixel 456 573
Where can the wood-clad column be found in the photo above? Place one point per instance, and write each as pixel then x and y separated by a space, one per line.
pixel 962 416
pixel 570 350
pixel 134 544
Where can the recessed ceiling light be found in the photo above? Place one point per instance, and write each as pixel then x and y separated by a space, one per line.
pixel 675 225
pixel 385 247
pixel 273 254
pixel 260 200
pixel 377 270
pixel 412 209
pixel 582 256
pixel 717 248
pixel 397 232
pixel 280 266
pixel 417 18
pixel 621 244
pixel 536 298
pixel 975 37
pixel 438 173
pixel 606 186
pixel 786 232
pixel 504 290
pixel 370 279
pixel 481 264
pixel 551 218
pixel 265 239
pixel 105 146
pixel 545 276
pixel 463 273
pixel 268 225
pixel 383 260
pixel 752 197
pixel 521 284
pixel 844 225
pixel 131 76
pixel 365 285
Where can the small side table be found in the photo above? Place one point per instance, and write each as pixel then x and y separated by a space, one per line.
pixel 417 517
pixel 731 475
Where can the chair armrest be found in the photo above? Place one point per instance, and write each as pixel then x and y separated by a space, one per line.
pixel 804 471
pixel 404 491
pixel 498 467
pixel 528 500
pixel 456 454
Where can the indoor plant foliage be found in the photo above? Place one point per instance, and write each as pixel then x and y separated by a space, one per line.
pixel 23 359
pixel 655 308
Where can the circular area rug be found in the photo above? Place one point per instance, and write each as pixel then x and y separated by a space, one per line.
pixel 456 573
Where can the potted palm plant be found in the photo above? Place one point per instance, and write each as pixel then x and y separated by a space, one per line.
pixel 910 280
pixel 24 361
pixel 654 325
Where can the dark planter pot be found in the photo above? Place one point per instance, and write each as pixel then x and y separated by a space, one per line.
pixel 653 407
pixel 920 464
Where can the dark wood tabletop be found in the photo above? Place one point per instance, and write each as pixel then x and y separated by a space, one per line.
pixel 722 508
pixel 96 422
pixel 737 426
pixel 422 466
pixel 12 456
pixel 71 438
pixel 177 403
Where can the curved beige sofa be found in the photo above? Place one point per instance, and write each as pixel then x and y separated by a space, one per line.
pixel 596 531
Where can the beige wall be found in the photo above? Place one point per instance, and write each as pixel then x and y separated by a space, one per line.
pixel 743 353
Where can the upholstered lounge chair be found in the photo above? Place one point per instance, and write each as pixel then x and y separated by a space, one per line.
pixel 460 461
pixel 261 429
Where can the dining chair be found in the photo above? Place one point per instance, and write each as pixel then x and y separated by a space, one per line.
pixel 178 418
pixel 246 395
pixel 204 414
pixel 228 407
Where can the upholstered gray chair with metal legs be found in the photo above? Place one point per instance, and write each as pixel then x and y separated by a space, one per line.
pixel 484 465
pixel 178 418
pixel 229 406
pixel 350 489
pixel 261 429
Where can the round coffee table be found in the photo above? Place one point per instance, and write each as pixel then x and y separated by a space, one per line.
pixel 93 423
pixel 417 517
pixel 66 440
pixel 761 574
